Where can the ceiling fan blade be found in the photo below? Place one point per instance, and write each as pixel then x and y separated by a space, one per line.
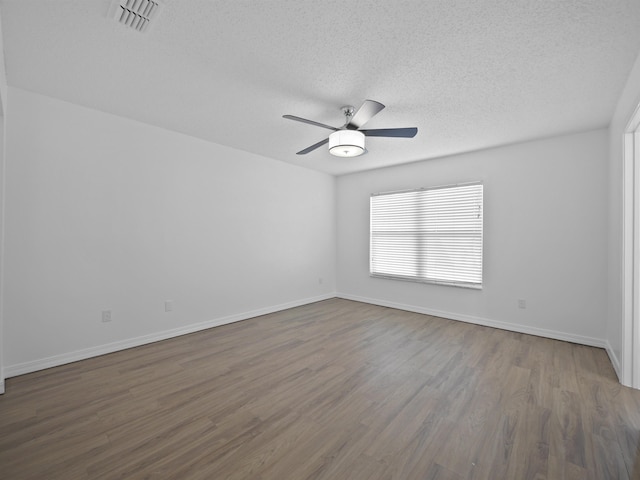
pixel 391 132
pixel 313 147
pixel 365 113
pixel 310 122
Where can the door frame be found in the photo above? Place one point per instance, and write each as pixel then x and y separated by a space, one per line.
pixel 630 361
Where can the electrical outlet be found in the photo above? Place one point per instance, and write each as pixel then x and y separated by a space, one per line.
pixel 522 303
pixel 106 315
pixel 168 306
pixel 320 281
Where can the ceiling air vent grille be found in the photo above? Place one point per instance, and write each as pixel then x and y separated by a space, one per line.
pixel 136 14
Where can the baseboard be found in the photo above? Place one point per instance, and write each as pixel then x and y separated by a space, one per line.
pixel 56 360
pixel 614 360
pixel 513 327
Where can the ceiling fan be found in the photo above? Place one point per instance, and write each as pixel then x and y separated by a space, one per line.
pixel 348 140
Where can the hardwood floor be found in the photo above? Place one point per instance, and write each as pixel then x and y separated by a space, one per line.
pixel 333 390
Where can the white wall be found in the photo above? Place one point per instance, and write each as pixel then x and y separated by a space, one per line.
pixel 108 213
pixel 627 103
pixel 545 238
pixel 105 213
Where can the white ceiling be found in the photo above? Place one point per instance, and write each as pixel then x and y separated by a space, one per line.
pixel 469 74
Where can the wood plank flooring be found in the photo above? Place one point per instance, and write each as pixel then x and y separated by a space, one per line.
pixel 333 390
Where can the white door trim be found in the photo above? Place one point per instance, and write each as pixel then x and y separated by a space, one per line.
pixel 630 367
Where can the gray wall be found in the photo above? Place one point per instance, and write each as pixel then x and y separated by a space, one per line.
pixel 105 213
pixel 545 237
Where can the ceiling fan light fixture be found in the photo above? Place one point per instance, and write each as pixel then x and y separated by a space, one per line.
pixel 346 143
pixel 348 140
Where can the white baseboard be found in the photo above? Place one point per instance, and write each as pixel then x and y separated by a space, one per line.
pixel 513 327
pixel 614 360
pixel 56 360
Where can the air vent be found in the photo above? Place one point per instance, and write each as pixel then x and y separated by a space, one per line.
pixel 135 14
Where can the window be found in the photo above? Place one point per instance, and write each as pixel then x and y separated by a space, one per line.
pixel 431 235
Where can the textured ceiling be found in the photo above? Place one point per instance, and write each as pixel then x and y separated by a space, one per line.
pixel 469 74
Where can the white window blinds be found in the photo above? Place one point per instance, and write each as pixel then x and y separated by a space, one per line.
pixel 428 235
